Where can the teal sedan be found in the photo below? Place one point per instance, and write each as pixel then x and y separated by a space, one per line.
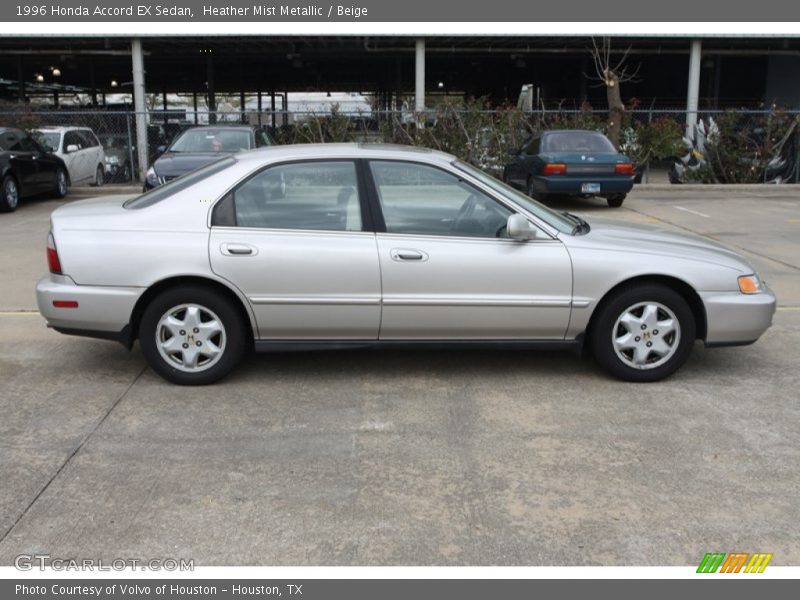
pixel 570 163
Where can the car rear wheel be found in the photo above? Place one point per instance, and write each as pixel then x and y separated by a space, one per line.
pixel 616 200
pixel 61 183
pixel 191 335
pixel 99 176
pixel 643 333
pixel 9 194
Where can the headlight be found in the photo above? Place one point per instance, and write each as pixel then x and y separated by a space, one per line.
pixel 151 177
pixel 750 284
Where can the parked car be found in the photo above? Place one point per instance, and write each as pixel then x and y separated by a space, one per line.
pixel 27 169
pixel 80 150
pixel 571 163
pixel 382 246
pixel 199 146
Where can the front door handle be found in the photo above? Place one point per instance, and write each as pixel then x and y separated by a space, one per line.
pixel 237 250
pixel 407 254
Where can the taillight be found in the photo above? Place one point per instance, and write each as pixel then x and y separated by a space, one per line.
pixel 623 169
pixel 53 263
pixel 554 169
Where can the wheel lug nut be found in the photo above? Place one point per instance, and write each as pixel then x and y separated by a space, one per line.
pixel 196 330
pixel 185 345
pixel 655 331
pixel 198 343
pixel 649 344
pixel 644 327
pixel 638 339
pixel 183 332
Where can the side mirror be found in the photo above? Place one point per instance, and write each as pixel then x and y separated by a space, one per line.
pixel 520 229
pixel 72 148
pixel 160 149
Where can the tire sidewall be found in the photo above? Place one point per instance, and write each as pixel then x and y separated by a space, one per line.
pixel 236 337
pixel 610 311
pixel 59 193
pixel 99 176
pixel 4 205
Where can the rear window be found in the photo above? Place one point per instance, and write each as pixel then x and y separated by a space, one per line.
pixel 576 141
pixel 179 184
pixel 211 139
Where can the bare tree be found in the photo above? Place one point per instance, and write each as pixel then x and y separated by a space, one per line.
pixel 611 75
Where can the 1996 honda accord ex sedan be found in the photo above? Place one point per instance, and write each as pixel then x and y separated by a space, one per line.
pixel 339 246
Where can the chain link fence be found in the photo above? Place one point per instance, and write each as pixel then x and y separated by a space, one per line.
pixel 729 146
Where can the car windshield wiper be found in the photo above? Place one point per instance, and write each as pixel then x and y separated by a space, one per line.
pixel 581 226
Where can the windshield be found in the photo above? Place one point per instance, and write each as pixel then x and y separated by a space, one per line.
pixel 211 139
pixel 50 140
pixel 576 141
pixel 179 184
pixel 551 217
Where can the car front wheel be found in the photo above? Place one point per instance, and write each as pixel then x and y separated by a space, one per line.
pixel 643 333
pixel 192 336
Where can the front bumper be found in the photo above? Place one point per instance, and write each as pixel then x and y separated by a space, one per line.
pixel 102 312
pixel 734 319
pixel 571 185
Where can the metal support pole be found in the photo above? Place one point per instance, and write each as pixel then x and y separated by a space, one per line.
pixel 137 58
pixel 212 99
pixel 419 78
pixel 693 92
pixel 272 107
pixel 130 149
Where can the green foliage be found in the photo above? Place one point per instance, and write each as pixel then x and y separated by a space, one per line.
pixel 740 146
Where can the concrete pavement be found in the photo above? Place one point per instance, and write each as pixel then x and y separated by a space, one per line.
pixel 412 458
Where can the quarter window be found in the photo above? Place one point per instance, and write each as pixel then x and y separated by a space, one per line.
pixel 423 200
pixel 312 195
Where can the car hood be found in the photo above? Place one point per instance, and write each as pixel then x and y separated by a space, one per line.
pixel 648 239
pixel 173 164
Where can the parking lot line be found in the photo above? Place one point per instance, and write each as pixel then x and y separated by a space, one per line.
pixel 694 212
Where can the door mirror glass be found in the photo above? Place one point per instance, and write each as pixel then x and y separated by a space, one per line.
pixel 519 228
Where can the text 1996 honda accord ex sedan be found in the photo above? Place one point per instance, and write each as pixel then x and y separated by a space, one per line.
pixel 334 246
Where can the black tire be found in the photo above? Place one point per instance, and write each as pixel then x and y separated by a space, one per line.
pixel 60 183
pixel 531 191
pixel 233 341
pixel 99 176
pixel 9 194
pixel 614 307
pixel 616 200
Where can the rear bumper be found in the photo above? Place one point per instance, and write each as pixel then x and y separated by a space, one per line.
pixel 564 184
pixel 735 319
pixel 102 312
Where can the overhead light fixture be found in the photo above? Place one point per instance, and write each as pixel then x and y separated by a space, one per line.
pixel 114 83
pixel 39 77
pixel 441 85
pixel 56 71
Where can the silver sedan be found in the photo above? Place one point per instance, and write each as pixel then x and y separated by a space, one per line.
pixel 342 246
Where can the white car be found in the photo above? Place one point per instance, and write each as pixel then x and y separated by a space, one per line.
pixel 80 150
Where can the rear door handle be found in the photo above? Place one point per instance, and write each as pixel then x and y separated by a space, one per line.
pixel 407 254
pixel 238 250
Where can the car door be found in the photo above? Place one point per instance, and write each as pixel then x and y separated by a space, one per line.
pixel 72 157
pixel 293 240
pixel 448 270
pixel 521 164
pixel 24 158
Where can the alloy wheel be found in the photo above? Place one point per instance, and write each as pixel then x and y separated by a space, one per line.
pixel 646 335
pixel 190 338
